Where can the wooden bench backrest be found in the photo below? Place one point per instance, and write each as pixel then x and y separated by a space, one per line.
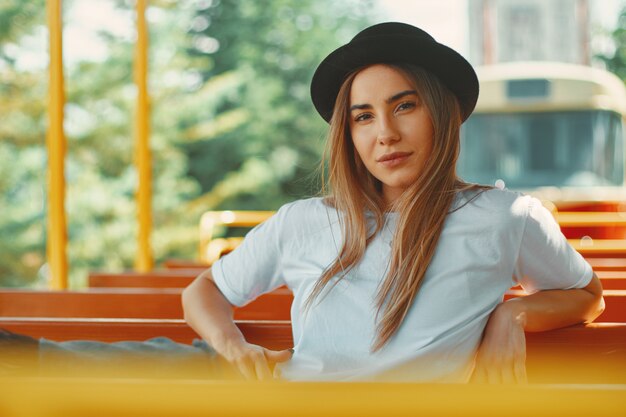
pixel 600 248
pixel 176 263
pixel 594 353
pixel 274 333
pixel 607 264
pixel 615 305
pixel 177 278
pixel 210 247
pixel 128 303
pixel 166 303
pixel 597 263
pixel 180 278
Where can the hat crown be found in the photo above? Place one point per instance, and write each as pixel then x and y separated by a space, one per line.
pixel 392 29
pixel 394 42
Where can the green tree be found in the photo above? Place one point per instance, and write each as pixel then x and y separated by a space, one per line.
pixel 616 62
pixel 22 136
pixel 232 125
pixel 269 155
pixel 102 178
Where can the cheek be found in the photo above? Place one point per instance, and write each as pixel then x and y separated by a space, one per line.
pixel 427 148
pixel 360 146
pixel 365 156
pixel 423 140
pixel 425 154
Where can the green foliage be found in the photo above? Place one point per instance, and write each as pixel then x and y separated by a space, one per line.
pixel 617 62
pixel 232 125
pixel 276 47
pixel 18 18
pixel 22 202
pixel 22 155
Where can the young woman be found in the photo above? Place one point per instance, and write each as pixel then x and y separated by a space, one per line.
pixel 399 271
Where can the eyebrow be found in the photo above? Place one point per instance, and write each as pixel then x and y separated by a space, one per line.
pixel 390 100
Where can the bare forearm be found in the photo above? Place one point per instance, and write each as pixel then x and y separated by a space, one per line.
pixel 547 310
pixel 502 352
pixel 210 314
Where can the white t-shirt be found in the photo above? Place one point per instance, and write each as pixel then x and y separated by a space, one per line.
pixel 492 243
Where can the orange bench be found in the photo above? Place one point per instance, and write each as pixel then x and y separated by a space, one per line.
pixel 612 280
pixel 593 353
pixel 174 263
pixel 600 248
pixel 166 303
pixel 607 264
pixel 606 228
pixel 176 278
pixel 615 300
pixel 273 334
pixel 180 278
pixel 598 264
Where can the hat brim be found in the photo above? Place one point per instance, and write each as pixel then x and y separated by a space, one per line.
pixel 445 63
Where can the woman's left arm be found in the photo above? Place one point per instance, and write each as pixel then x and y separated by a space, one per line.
pixel 501 356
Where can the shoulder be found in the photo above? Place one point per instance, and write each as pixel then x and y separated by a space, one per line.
pixel 496 204
pixel 308 214
pixel 307 206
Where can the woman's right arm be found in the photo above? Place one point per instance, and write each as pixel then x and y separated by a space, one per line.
pixel 210 314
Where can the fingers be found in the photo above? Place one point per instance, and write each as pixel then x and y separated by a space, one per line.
pixel 513 370
pixel 256 363
pixel 263 372
pixel 254 366
pixel 507 375
pixel 501 367
pixel 520 373
pixel 278 356
pixel 501 356
pixel 246 368
pixel 479 376
pixel 515 374
pixel 494 376
pixel 512 373
pixel 519 357
pixel 271 357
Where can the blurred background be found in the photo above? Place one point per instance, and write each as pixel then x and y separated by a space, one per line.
pixel 232 126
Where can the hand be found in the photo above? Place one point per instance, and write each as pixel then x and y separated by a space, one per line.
pixel 501 357
pixel 253 361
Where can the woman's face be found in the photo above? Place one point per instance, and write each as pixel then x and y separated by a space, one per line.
pixel 391 128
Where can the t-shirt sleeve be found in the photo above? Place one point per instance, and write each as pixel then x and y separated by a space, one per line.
pixel 546 260
pixel 254 267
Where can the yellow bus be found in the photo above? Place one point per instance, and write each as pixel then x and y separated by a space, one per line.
pixel 551 129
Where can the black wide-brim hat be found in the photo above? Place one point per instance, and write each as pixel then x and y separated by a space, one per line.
pixel 390 43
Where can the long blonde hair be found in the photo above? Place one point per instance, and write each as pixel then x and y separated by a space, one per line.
pixel 422 207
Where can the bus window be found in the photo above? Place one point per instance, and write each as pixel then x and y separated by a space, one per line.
pixel 528 150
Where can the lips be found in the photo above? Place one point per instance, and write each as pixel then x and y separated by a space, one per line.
pixel 394 158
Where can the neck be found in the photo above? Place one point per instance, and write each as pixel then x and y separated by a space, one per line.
pixel 390 196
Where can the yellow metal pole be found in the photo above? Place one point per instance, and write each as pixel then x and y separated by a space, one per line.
pixel 55 141
pixel 143 260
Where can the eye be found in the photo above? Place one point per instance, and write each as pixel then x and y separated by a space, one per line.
pixel 361 117
pixel 407 105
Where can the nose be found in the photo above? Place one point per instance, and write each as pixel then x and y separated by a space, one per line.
pixel 387 131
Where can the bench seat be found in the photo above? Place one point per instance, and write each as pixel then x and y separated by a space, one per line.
pixel 592 353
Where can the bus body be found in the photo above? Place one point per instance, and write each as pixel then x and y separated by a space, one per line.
pixel 552 130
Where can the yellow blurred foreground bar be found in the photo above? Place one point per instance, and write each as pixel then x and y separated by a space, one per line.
pixel 118 397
